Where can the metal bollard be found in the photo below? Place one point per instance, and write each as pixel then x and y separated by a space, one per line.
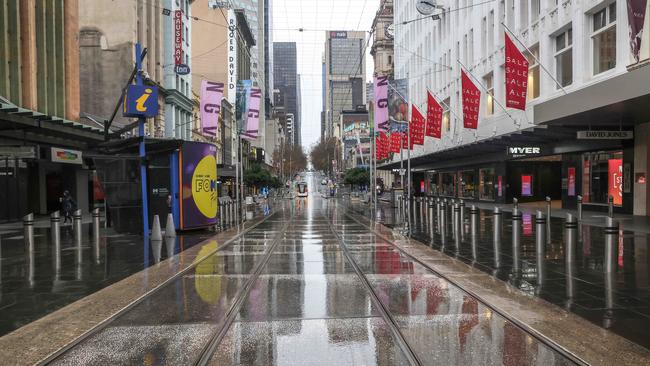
pixel 540 242
pixel 55 232
pixel 438 203
pixel 221 217
pixel 462 220
pixel 570 240
pixel 473 214
pixel 96 237
pixel 516 239
pixel 443 221
pixel 611 246
pixel 515 204
pixel 610 207
pixel 548 220
pixel 496 236
pixel 579 208
pixel 430 208
pixel 28 228
pixel 457 227
pixel 76 225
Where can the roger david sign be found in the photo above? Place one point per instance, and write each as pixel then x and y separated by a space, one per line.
pixel 524 151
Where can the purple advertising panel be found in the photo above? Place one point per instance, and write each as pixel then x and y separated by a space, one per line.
pixel 198 181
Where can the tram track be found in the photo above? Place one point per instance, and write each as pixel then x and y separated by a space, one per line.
pixel 52 358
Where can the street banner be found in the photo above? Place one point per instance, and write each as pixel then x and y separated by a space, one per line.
pixel 395 141
pixel 379 154
pixel 381 103
pixel 241 104
pixel 635 19
pixel 253 115
pixel 405 141
pixel 471 102
pixel 384 145
pixel 516 76
pixel 434 117
pixel 211 94
pixel 417 126
pixel 398 107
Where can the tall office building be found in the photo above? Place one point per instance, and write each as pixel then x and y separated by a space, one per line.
pixel 286 80
pixel 345 80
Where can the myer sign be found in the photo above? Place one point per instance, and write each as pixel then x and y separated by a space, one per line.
pixel 524 151
pixel 605 135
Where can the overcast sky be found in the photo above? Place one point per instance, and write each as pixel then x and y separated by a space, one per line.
pixel 315 17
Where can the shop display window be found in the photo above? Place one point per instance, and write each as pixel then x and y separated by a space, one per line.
pixel 448 184
pixel 467 184
pixel 487 184
pixel 602 176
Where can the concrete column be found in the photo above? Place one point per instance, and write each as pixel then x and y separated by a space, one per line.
pixel 71 51
pixel 641 166
pixel 28 53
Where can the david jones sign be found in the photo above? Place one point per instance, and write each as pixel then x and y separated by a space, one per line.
pixel 605 135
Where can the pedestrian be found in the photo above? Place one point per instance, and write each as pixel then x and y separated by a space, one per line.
pixel 68 205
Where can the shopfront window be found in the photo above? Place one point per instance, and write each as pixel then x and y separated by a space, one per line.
pixel 448 184
pixel 434 184
pixel 602 177
pixel 487 184
pixel 467 184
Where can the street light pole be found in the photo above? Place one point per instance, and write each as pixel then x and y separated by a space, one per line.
pixel 142 150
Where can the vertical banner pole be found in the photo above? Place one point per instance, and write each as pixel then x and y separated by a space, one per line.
pixel 142 151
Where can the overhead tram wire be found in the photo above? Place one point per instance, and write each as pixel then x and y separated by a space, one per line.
pixel 405 22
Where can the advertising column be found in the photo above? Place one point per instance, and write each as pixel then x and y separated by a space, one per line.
pixel 198 180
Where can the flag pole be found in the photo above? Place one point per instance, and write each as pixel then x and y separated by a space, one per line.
pixel 535 57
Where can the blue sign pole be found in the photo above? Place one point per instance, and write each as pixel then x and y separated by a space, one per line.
pixel 143 168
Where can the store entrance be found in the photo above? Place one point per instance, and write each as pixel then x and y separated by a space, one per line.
pixel 532 180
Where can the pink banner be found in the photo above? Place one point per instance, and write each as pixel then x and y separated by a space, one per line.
pixel 381 103
pixel 211 94
pixel 253 116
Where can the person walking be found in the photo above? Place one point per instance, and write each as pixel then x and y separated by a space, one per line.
pixel 68 205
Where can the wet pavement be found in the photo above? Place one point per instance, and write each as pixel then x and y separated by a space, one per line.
pixel 34 284
pixel 310 286
pixel 617 299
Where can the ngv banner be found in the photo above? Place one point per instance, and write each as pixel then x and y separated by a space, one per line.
pixel 211 94
pixel 381 103
pixel 253 118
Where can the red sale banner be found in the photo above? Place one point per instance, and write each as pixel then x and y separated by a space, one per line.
pixel 615 181
pixel 405 141
pixel 395 142
pixel 516 76
pixel 471 102
pixel 572 182
pixel 417 126
pixel 178 37
pixel 434 117
pixel 383 142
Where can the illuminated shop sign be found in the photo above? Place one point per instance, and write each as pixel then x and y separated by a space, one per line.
pixel 605 135
pixel 524 151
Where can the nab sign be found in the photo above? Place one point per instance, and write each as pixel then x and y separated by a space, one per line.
pixel 141 101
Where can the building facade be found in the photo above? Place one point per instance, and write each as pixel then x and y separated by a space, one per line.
pixel 345 66
pixel 285 73
pixel 564 144
pixel 382 49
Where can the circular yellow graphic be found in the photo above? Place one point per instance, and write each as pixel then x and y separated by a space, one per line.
pixel 204 186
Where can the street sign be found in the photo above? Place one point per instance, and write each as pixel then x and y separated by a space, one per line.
pixel 141 101
pixel 605 135
pixel 166 12
pixel 182 69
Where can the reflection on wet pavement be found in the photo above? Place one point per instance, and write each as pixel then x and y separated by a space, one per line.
pixel 319 289
pixel 578 280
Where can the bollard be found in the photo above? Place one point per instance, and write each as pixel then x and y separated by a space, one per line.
pixel 548 220
pixel 456 220
pixel 473 222
pixel 431 207
pixel 496 236
pixel 540 242
pixel 221 217
pixel 443 223
pixel 462 220
pixel 28 228
pixel 156 232
pixel 76 224
pixel 438 203
pixel 96 237
pixel 611 247
pixel 570 240
pixel 610 207
pixel 579 208
pixel 516 239
pixel 55 232
pixel 170 229
pixel 515 204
